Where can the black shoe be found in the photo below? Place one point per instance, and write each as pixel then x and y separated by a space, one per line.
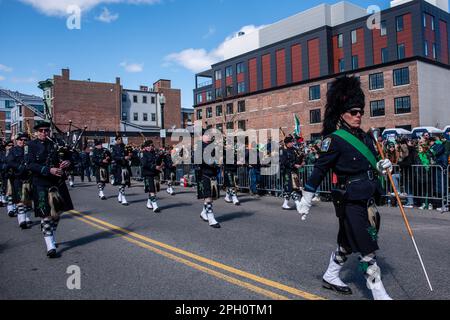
pixel 23 225
pixel 216 226
pixel 341 290
pixel 12 214
pixel 51 254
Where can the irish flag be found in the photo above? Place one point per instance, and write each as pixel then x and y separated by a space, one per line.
pixel 297 129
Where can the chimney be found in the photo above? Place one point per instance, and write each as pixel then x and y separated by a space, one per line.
pixel 66 74
pixel 143 88
pixel 118 80
pixel 162 84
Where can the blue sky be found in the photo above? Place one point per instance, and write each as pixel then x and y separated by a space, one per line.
pixel 140 41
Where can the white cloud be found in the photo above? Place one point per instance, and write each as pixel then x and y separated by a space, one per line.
pixel 5 68
pixel 107 17
pixel 2 78
pixel 24 80
pixel 132 67
pixel 211 31
pixel 59 7
pixel 197 60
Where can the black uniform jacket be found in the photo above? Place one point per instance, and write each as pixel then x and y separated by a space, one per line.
pixel 348 164
pixel 98 155
pixel 16 161
pixel 149 161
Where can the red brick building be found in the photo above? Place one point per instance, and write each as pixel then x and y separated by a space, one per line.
pixel 404 68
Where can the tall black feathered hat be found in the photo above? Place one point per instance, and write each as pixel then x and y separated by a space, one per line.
pixel 344 94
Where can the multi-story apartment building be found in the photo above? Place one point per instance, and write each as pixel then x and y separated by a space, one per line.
pixel 286 68
pixel 15 117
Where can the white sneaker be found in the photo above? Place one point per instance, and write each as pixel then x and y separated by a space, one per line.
pixel 28 218
pixel 155 207
pixel 11 210
pixel 212 221
pixel 379 292
pixel 422 207
pixel 71 183
pixel 51 248
pixel 101 195
pixel 119 197
pixel 170 191
pixel 430 207
pixel 228 199
pixel 332 281
pixel 408 206
pixel 298 207
pixel 286 205
pixel 236 201
pixel 22 219
pixel 203 215
pixel 443 209
pixel 149 205
pixel 316 199
pixel 124 200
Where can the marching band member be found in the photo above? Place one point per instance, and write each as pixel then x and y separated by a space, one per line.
pixel 122 173
pixel 152 166
pixel 101 159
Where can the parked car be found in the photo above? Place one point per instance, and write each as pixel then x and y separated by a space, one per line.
pixel 394 133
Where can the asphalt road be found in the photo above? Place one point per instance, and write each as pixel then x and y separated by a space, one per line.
pixel 261 252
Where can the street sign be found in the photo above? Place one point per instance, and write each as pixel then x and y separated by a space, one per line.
pixel 163 133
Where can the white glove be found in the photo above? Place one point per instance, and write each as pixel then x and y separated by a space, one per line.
pixel 383 166
pixel 305 204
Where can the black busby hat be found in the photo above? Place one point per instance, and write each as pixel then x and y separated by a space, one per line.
pixel 344 94
pixel 98 142
pixel 9 142
pixel 147 143
pixel 42 124
pixel 119 136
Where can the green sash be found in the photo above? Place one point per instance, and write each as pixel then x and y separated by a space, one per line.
pixel 358 145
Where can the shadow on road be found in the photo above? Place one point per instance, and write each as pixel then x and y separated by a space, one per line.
pixel 233 216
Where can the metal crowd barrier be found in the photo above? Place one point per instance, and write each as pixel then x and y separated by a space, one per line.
pixel 417 184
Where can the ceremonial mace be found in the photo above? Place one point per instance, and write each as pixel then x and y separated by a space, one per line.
pixel 375 135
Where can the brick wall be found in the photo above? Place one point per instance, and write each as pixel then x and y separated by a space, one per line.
pixel 172 109
pixel 276 109
pixel 94 104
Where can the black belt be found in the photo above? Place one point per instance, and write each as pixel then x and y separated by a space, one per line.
pixel 367 175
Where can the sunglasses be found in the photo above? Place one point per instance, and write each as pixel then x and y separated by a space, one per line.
pixel 24 140
pixel 354 113
pixel 10 145
pixel 44 130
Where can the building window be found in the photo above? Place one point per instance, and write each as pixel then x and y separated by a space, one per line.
pixel 314 93
pixel 240 68
pixel 377 108
pixel 199 114
pixel 434 51
pixel 230 126
pixel 426 48
pixel 383 30
pixel 401 77
pixel 135 99
pixel 230 108
pixel 209 96
pixel 376 81
pixel 219 111
pixel 241 87
pixel 209 113
pixel 315 116
pixel 241 106
pixel 199 98
pixel 135 116
pixel 315 137
pixel 229 90
pixel 218 75
pixel 341 63
pixel 144 99
pixel 145 117
pixel 354 37
pixel 228 72
pixel 384 55
pixel 340 40
pixel 218 93
pixel 432 23
pixel 399 24
pixel 355 62
pixel 424 20
pixel 154 117
pixel 402 105
pixel 242 125
pixel 153 100
pixel 401 51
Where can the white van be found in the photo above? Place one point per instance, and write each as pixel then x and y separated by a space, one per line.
pixel 417 133
pixel 394 133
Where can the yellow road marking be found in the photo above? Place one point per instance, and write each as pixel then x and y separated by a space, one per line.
pixel 267 282
pixel 261 291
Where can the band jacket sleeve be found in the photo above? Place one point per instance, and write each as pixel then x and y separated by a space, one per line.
pixel 16 162
pixel 118 155
pixel 327 160
pixel 149 163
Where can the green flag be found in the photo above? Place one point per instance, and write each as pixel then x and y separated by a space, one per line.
pixel 298 130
